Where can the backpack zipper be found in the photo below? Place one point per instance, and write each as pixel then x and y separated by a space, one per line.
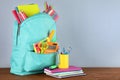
pixel 18 33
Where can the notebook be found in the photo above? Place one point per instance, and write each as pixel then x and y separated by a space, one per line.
pixel 67 75
pixel 29 9
pixel 71 68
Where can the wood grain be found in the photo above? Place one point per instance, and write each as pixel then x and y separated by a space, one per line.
pixel 92 74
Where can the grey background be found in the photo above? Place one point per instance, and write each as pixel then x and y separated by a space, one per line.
pixel 91 27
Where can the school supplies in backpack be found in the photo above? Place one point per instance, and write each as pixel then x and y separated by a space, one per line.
pixel 49 10
pixel 45 45
pixel 29 9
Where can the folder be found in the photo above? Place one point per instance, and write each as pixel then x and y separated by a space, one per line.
pixel 29 9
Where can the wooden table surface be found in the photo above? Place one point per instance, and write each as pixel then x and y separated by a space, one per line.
pixel 92 74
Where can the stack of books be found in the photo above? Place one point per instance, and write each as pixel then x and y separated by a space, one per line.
pixel 63 73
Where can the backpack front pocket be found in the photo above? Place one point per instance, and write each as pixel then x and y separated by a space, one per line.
pixel 34 61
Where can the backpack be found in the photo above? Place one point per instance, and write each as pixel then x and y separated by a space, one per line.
pixel 24 60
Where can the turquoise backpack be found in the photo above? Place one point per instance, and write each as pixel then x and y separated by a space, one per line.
pixel 24 60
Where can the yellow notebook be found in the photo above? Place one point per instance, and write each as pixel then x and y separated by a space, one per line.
pixel 29 9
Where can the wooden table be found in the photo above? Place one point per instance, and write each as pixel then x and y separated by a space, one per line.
pixel 92 74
